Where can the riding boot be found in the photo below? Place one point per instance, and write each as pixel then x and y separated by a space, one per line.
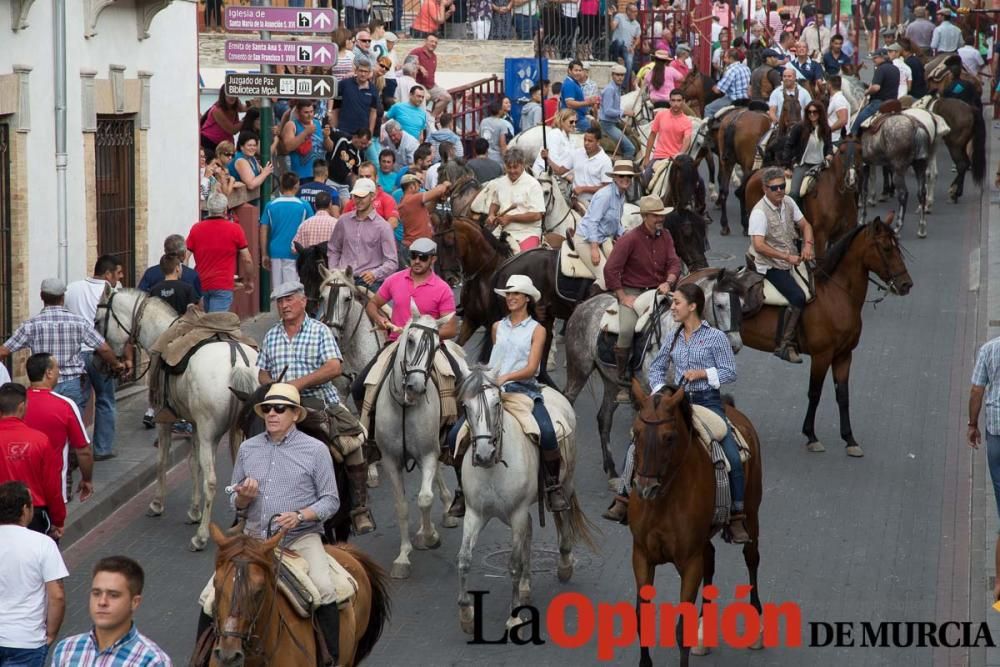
pixel 457 508
pixel 328 619
pixel 786 348
pixel 361 517
pixel 737 528
pixel 622 358
pixel 554 496
pixel 618 511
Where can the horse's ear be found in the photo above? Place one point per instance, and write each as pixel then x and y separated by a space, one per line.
pixel 888 218
pixel 299 248
pixel 441 321
pixel 349 272
pixel 218 536
pixel 638 392
pixel 241 395
pixel 271 544
pixel 675 399
pixel 324 272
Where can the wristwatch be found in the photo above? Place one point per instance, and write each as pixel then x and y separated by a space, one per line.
pixel 301 517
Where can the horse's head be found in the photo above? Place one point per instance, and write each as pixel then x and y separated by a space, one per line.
pixel 116 317
pixel 310 263
pixel 415 353
pixel 337 293
pixel 662 427
pixel 245 587
pixel 723 305
pixel 791 110
pixel 884 256
pixel 480 394
pixel 688 230
pixel 248 422
pixel 449 259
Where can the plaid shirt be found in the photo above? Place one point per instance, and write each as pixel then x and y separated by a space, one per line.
pixel 317 229
pixel 987 374
pixel 708 349
pixel 60 333
pixel 312 346
pixel 735 82
pixel 132 650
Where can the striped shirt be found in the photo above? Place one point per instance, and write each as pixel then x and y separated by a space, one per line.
pixel 312 346
pixel 293 474
pixel 707 349
pixel 60 333
pixel 985 374
pixel 735 82
pixel 132 650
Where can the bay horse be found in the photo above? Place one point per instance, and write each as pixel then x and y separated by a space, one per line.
pixel 698 90
pixel 740 131
pixel 256 626
pixel 671 509
pixel 831 323
pixel 967 130
pixel 831 207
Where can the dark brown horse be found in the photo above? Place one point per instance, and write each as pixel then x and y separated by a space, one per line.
pixel 968 130
pixel 831 323
pixel 698 90
pixel 737 138
pixel 673 501
pixel 832 206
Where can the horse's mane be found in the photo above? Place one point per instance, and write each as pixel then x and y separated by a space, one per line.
pixel 307 265
pixel 728 281
pixel 684 180
pixel 499 245
pixel 835 252
pixel 155 304
pixel 684 406
pixel 472 383
pixel 246 545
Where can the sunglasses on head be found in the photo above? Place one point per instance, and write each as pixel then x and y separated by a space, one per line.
pixel 776 188
pixel 422 256
pixel 270 407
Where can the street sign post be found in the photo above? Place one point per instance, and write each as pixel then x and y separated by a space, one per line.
pixel 280 19
pixel 289 86
pixel 269 52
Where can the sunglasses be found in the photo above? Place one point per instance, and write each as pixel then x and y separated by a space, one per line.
pixel 813 112
pixel 268 408
pixel 422 256
pixel 776 188
pixel 364 41
pixel 572 122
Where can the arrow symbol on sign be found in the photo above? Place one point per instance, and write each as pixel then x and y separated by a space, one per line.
pixel 322 20
pixel 321 87
pixel 323 54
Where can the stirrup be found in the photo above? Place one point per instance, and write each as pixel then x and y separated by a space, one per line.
pixel 362 521
pixel 555 500
pixel 447 457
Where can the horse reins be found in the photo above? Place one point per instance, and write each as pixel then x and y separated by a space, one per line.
pixel 426 344
pixel 132 335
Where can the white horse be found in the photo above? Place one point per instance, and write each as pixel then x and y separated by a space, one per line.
pixel 407 427
pixel 559 215
pixel 508 491
pixel 199 395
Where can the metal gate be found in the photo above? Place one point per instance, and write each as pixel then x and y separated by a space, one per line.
pixel 115 181
pixel 6 289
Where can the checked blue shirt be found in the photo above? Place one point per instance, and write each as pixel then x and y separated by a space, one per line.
pixel 987 374
pixel 132 650
pixel 735 82
pixel 312 346
pixel 708 349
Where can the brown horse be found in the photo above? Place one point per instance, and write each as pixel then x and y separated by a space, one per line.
pixel 670 513
pixel 832 206
pixel 831 323
pixel 739 133
pixel 255 625
pixel 698 90
pixel 967 131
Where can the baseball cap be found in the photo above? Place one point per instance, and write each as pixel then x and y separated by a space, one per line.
pixel 363 187
pixel 409 178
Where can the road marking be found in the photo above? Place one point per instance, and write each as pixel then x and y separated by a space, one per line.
pixel 974 270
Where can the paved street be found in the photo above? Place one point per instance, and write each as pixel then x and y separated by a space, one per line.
pixel 886 537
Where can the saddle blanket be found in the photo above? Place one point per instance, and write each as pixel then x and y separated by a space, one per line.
pixel 805 187
pixel 295 584
pixel 570 264
pixel 643 307
pixel 710 428
pixel 519 407
pixel 772 297
pixel 194 327
pixel 661 174
pixel 442 375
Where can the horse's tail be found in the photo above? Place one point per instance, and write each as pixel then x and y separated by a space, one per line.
pixel 381 603
pixel 728 149
pixel 978 147
pixel 242 380
pixel 581 528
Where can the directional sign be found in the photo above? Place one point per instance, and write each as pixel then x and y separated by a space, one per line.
pixel 290 86
pixel 280 53
pixel 280 19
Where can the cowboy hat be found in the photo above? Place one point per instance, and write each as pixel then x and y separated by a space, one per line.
pixel 521 285
pixel 663 54
pixel 282 394
pixel 618 69
pixel 623 168
pixel 651 204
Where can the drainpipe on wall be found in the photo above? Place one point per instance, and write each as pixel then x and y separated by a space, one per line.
pixel 62 212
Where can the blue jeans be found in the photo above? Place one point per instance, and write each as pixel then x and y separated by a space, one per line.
pixel 867 112
pixel 715 105
pixel 993 459
pixel 104 406
pixel 712 399
pixel 613 132
pixel 785 283
pixel 525 26
pixel 77 389
pixel 217 300
pixel 361 283
pixel 23 657
pixel 547 430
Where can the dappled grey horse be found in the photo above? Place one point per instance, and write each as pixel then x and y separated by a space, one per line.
pixel 899 143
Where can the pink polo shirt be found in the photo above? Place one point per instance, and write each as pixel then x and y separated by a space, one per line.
pixel 433 297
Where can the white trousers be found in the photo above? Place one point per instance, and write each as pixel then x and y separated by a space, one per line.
pixel 283 271
pixel 583 248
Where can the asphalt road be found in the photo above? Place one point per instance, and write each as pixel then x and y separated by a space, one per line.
pixel 879 538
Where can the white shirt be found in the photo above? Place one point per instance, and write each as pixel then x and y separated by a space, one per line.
pixel 82 297
pixel 589 170
pixel 28 560
pixel 560 152
pixel 570 9
pixel 758 223
pixel 972 61
pixel 837 102
pixel 431 178
pixel 777 99
pixel 4 375
pixel 905 76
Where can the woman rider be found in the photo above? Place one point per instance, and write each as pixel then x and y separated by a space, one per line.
pixel 518 343
pixel 808 145
pixel 702 357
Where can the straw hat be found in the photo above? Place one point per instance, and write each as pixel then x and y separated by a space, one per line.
pixel 663 54
pixel 652 205
pixel 282 394
pixel 623 168
pixel 520 284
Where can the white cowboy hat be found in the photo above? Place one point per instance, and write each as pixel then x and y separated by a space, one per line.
pixel 521 285
pixel 282 394
pixel 623 168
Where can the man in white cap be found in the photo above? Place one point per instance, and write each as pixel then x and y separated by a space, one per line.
pixel 363 240
pixel 609 114
pixel 643 259
pixel 905 73
pixel 603 220
pixel 285 472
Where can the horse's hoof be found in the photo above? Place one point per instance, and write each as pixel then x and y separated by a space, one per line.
pixel 700 650
pixel 154 510
pixel 816 446
pixel 921 233
pixel 193 518
pixel 400 571
pixel 724 231
pixel 467 621
pixel 449 521
pixel 423 543
pixel 855 451
pixel 759 644
pixel 372 476
pixel 564 572
pixel 198 543
pixel 614 483
pixel 514 621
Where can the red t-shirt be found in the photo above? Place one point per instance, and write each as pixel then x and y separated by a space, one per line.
pixel 416 218
pixel 550 108
pixel 429 62
pixel 383 204
pixel 59 419
pixel 215 243
pixel 25 456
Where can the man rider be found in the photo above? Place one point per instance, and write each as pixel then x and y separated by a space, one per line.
pixel 734 84
pixel 304 354
pixel 771 70
pixel 884 87
pixel 363 239
pixel 643 259
pixel 772 225
pixel 518 203
pixel 669 135
pixel 789 86
pixel 603 220
pixel 610 112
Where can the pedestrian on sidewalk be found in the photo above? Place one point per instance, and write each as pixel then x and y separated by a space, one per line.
pixel 172 245
pixel 31 578
pixel 25 456
pixel 172 289
pixel 217 242
pixel 63 335
pixel 115 595
pixel 281 218
pixel 59 419
pixel 82 297
pixel 986 384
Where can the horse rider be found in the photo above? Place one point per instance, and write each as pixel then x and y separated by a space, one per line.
pixel 363 239
pixel 789 87
pixel 603 219
pixel 807 146
pixel 643 259
pixel 285 472
pixel 838 109
pixel 734 85
pixel 303 352
pixel 558 157
pixel 702 358
pixel 518 205
pixel 610 112
pixel 771 70
pixel 884 87
pixel 518 346
pixel 669 135
pixel 773 252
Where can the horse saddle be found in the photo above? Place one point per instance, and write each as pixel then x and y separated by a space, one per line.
pixel 643 308
pixel 759 291
pixel 761 149
pixel 661 173
pixel 570 264
pixel 887 109
pixel 193 328
pixel 630 217
pixel 295 584
pixel 519 406
pixel 710 428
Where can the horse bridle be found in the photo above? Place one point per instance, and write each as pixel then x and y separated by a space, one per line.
pixel 550 201
pixel 735 312
pixel 335 289
pixel 649 445
pixel 851 146
pixel 132 335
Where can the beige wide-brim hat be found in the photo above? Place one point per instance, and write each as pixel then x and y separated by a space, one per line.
pixel 623 168
pixel 651 204
pixel 662 54
pixel 520 284
pixel 282 394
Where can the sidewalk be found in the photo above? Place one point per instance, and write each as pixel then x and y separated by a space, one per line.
pixel 118 480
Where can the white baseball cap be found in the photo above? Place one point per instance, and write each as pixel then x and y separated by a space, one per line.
pixel 363 187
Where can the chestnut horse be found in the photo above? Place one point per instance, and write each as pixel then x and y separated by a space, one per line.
pixel 255 625
pixel 739 133
pixel 831 323
pixel 673 501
